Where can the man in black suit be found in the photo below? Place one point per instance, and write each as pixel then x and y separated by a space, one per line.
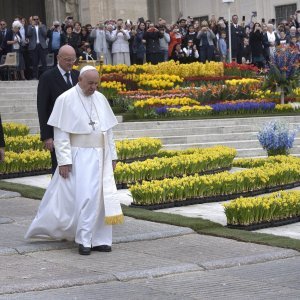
pixel 37 47
pixel 2 142
pixel 237 37
pixel 3 33
pixel 52 84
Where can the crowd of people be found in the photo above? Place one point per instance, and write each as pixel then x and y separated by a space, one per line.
pixel 127 42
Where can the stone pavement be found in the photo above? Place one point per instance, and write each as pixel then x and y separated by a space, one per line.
pixel 148 261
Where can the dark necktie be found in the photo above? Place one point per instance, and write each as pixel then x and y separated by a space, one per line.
pixel 69 84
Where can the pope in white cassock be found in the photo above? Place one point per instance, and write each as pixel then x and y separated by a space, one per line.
pixel 80 202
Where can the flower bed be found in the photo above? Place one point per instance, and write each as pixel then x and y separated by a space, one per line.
pixel 170 68
pixel 180 165
pixel 158 102
pixel 141 147
pixel 222 184
pixel 243 70
pixel 15 129
pixel 259 162
pixel 260 212
pixel 243 81
pixel 28 161
pixel 23 143
pixel 177 107
pixel 195 110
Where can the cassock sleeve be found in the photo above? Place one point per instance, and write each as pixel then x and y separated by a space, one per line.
pixel 112 145
pixel 62 147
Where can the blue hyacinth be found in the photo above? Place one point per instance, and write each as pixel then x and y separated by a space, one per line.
pixel 243 106
pixel 276 137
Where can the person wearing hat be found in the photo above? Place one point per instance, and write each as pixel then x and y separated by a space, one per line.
pixel 55 37
pixel 51 85
pixel 81 202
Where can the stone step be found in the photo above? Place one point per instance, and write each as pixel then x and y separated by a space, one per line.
pixel 18 102
pixel 19 83
pixel 242 144
pixel 209 138
pixel 17 96
pixel 17 89
pixel 18 109
pixel 158 125
pixel 18 117
pixel 190 139
pixel 188 131
pixel 34 129
pixel 259 152
pixel 28 122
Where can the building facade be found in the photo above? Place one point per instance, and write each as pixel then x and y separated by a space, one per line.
pixel 93 11
pixel 203 9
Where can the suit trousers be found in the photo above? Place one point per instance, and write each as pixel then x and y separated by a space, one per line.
pixel 38 55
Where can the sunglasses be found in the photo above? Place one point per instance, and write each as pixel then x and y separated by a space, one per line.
pixel 2 24
pixel 35 19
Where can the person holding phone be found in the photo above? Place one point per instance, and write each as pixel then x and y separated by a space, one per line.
pixel 55 37
pixel 271 40
pixel 101 38
pixel 206 39
pixel 37 45
pixel 120 45
pixel 256 45
pixel 152 36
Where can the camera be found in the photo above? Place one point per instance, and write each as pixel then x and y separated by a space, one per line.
pixel 254 14
pixel 119 27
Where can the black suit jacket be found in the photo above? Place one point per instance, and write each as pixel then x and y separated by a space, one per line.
pixel 3 44
pixel 51 86
pixel 237 36
pixel 2 143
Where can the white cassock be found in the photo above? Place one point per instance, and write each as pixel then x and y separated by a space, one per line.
pixel 84 206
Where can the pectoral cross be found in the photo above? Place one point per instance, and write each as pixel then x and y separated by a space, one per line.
pixel 92 123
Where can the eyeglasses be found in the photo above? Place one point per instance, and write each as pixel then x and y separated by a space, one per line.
pixel 68 59
pixel 35 19
pixel 2 24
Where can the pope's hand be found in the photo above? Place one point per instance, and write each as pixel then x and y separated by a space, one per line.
pixel 48 144
pixel 65 170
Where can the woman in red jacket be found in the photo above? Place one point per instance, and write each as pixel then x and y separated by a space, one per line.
pixel 175 38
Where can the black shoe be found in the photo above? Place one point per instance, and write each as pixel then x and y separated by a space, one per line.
pixel 102 248
pixel 84 250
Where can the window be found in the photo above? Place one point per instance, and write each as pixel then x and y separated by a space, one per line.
pixel 283 12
